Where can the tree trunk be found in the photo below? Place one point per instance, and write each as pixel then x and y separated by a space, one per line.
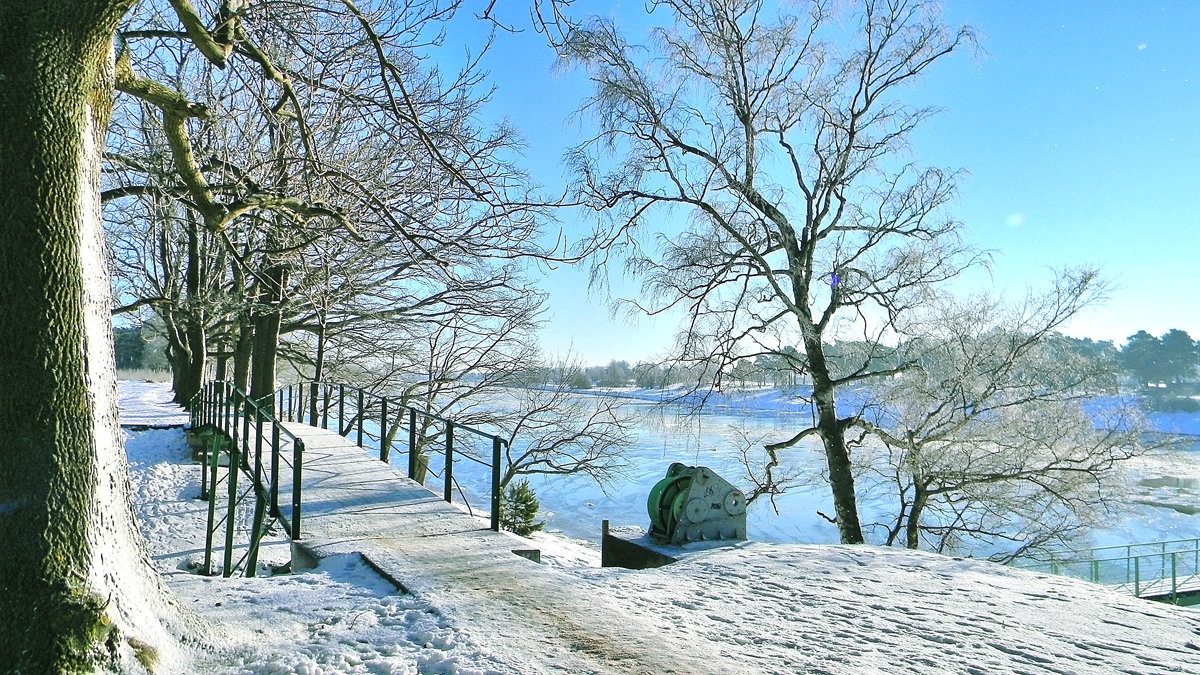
pixel 192 380
pixel 77 581
pixel 837 455
pixel 319 366
pixel 266 335
pixel 912 530
pixel 186 342
pixel 194 326
pixel 243 350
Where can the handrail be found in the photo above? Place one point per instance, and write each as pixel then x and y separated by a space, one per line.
pixel 227 411
pixel 356 410
pixel 1161 573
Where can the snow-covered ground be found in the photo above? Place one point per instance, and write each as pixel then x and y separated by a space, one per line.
pixel 757 607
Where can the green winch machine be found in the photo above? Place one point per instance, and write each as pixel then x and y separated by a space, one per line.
pixel 694 504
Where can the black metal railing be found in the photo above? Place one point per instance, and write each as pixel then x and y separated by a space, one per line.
pixel 375 421
pixel 229 424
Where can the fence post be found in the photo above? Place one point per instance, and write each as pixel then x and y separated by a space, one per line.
pixel 246 403
pixel 226 410
pixel 341 424
pixel 496 483
pixel 361 414
pixel 297 476
pixel 214 453
pixel 412 442
pixel 255 534
pixel 1137 578
pixel 325 406
pixel 258 446
pixel 385 447
pixel 231 514
pixel 275 469
pixel 448 473
pixel 1173 577
pixel 235 419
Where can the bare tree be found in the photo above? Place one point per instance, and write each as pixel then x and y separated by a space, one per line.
pixel 784 152
pixel 995 434
pixel 386 143
pixel 554 431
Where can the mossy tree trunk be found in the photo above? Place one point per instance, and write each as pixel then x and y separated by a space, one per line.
pixel 72 557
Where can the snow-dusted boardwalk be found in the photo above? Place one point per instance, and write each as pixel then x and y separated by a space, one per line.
pixel 546 620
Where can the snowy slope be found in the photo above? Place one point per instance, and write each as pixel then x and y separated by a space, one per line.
pixel 752 608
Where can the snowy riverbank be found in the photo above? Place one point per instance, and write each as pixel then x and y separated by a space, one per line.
pixel 748 609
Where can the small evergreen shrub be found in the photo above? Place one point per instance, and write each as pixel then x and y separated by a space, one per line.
pixel 518 509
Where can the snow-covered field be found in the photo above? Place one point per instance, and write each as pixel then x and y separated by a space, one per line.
pixel 757 607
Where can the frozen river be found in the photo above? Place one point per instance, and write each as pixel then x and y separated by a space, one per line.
pixel 1163 504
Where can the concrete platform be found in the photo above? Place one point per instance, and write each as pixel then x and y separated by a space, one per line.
pixel 562 623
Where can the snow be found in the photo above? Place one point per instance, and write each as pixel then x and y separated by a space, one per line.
pixel 755 607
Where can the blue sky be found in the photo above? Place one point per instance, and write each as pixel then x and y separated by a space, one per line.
pixel 1078 125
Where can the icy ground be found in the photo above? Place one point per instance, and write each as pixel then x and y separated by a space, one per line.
pixel 754 608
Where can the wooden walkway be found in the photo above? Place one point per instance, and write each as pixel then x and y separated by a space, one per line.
pixel 550 621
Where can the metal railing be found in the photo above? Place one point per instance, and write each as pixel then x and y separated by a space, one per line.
pixel 1161 569
pixel 375 422
pixel 230 424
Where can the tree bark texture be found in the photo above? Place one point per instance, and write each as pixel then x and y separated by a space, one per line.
pixel 73 557
pixel 267 320
pixel 912 529
pixel 837 455
pixel 243 350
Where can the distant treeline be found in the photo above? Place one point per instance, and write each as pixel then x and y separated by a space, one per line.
pixel 139 348
pixel 1168 362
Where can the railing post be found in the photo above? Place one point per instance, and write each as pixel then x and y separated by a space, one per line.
pixel 246 403
pixel 275 469
pixel 1137 578
pixel 297 477
pixel 496 483
pixel 235 419
pixel 1095 571
pixel 258 446
pixel 1173 577
pixel 341 423
pixel 256 526
pixel 385 447
pixel 361 414
pixel 412 442
pixel 214 454
pixel 230 519
pixel 448 473
pixel 325 407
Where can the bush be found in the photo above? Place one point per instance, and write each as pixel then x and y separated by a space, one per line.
pixel 518 509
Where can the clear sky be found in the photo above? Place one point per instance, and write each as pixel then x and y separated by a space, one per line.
pixel 1078 125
